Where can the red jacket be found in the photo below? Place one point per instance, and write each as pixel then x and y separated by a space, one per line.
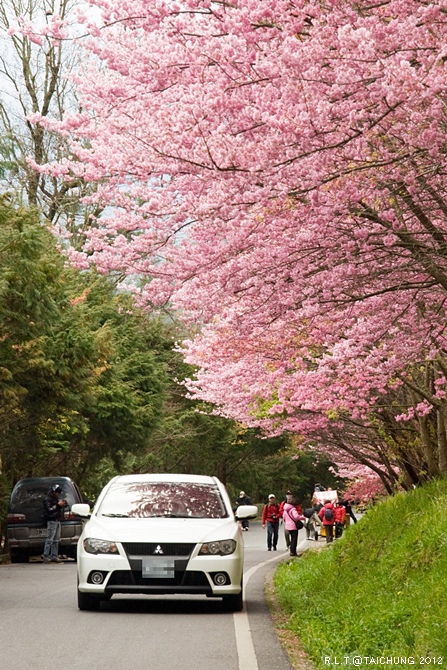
pixel 270 513
pixel 327 522
pixel 340 513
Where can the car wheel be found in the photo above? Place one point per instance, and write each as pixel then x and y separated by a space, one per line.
pixel 19 557
pixel 234 603
pixel 87 601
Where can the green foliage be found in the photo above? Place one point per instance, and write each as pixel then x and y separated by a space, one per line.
pixel 81 377
pixel 380 590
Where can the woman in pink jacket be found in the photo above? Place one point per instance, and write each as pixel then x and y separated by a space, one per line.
pixel 290 517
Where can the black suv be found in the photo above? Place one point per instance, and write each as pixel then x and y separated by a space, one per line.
pixel 25 528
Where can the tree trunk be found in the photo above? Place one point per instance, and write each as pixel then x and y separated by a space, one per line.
pixel 442 441
pixel 427 447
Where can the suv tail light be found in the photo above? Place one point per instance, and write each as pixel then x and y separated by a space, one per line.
pixel 68 516
pixel 15 518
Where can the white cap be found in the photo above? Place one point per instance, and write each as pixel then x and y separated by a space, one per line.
pixel 272 495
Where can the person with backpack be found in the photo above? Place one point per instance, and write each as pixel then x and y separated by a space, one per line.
pixel 293 521
pixel 327 517
pixel 270 518
pixel 299 509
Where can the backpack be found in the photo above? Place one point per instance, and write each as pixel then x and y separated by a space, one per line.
pixel 298 523
pixel 308 512
pixel 328 514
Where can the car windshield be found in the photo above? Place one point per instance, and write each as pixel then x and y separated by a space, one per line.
pixel 163 499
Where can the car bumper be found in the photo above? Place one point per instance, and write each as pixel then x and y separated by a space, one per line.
pixel 30 537
pixel 209 575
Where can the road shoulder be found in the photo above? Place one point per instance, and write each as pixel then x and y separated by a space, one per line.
pixel 290 642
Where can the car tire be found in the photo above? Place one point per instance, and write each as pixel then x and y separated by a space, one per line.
pixel 19 557
pixel 88 602
pixel 235 602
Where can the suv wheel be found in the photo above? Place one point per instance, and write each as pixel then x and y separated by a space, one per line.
pixel 19 556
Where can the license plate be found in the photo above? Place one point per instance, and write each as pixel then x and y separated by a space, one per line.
pixel 156 568
pixel 42 532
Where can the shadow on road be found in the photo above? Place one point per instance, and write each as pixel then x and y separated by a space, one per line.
pixel 160 606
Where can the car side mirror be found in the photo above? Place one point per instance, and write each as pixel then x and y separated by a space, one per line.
pixel 81 509
pixel 246 512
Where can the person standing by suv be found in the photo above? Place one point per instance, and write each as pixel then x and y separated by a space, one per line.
pixel 53 509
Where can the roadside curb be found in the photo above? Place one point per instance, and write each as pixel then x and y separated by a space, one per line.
pixel 290 642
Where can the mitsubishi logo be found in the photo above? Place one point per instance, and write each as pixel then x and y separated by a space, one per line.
pixel 158 550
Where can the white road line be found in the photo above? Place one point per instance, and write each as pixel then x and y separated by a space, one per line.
pixel 244 640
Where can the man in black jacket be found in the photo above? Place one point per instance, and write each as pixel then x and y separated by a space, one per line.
pixel 53 508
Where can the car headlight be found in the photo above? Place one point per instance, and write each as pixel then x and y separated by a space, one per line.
pixel 222 548
pixel 95 546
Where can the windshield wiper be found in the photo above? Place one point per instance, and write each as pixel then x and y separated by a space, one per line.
pixel 119 516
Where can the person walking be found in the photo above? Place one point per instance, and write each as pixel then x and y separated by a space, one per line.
pixel 244 499
pixel 349 510
pixel 53 509
pixel 288 499
pixel 270 518
pixel 312 522
pixel 327 516
pixel 339 515
pixel 299 509
pixel 291 516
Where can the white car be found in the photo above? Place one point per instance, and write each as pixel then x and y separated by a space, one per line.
pixel 159 534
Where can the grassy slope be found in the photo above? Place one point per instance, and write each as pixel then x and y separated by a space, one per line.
pixel 381 589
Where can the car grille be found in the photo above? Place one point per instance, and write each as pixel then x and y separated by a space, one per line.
pixel 182 581
pixel 133 578
pixel 151 548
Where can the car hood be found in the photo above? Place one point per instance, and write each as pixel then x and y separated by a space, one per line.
pixel 161 529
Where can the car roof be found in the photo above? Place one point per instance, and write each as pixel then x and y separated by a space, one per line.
pixel 43 480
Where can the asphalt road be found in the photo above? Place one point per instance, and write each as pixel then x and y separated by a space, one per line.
pixel 41 626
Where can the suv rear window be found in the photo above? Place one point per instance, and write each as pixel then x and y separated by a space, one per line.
pixel 163 499
pixel 28 496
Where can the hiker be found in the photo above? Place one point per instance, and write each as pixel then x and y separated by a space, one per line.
pixel 244 499
pixel 339 515
pixel 293 520
pixel 270 518
pixel 312 522
pixel 349 511
pixel 299 509
pixel 327 517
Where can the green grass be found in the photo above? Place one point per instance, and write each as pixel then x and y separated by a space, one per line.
pixel 381 590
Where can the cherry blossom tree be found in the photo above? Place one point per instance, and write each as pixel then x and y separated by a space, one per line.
pixel 276 171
